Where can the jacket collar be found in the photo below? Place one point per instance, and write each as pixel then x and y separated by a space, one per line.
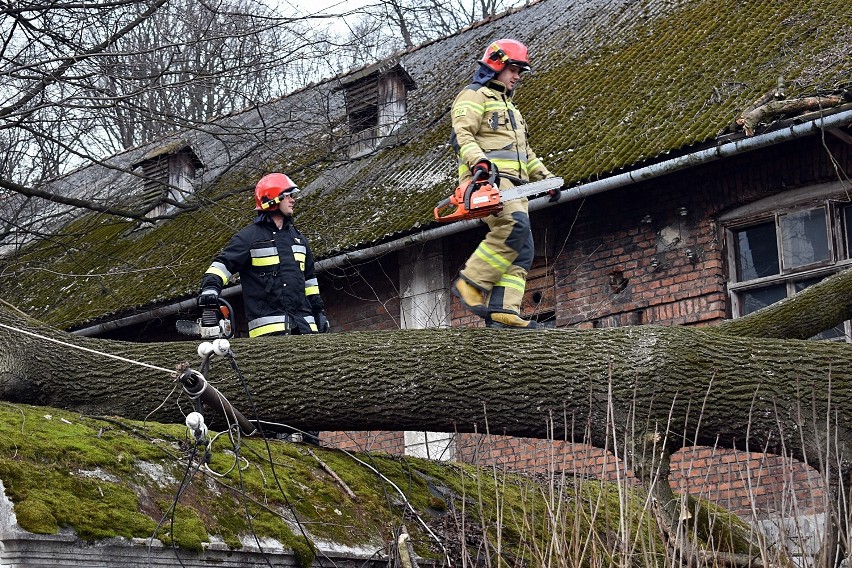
pixel 496 85
pixel 264 217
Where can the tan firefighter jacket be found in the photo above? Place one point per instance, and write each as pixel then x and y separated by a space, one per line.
pixel 487 125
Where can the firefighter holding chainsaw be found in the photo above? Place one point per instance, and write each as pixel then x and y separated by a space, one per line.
pixel 490 137
pixel 276 267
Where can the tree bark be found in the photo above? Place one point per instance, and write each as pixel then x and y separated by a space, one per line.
pixel 700 385
pixel 772 109
pixel 804 315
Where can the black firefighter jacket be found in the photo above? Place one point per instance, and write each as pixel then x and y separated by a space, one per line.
pixel 276 269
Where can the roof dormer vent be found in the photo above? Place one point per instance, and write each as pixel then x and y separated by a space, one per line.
pixel 376 102
pixel 167 174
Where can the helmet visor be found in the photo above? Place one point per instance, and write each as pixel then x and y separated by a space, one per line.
pixel 273 203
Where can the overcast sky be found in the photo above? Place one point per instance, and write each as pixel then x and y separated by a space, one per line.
pixel 318 7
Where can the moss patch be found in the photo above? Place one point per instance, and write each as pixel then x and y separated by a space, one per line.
pixel 105 477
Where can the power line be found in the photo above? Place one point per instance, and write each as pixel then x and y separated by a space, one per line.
pixel 86 349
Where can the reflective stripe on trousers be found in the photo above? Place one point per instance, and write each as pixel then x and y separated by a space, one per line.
pixel 500 263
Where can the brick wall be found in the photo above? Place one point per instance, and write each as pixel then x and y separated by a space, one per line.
pixel 750 484
pixel 373 441
pixel 753 485
pixel 660 241
pixel 362 297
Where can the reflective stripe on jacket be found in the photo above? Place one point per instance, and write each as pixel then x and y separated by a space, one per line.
pixel 276 268
pixel 487 125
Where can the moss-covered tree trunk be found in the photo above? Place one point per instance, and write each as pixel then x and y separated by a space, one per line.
pixel 698 385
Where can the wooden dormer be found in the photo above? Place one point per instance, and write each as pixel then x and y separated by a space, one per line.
pixel 376 103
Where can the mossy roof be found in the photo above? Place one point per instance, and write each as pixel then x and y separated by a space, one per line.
pixel 106 477
pixel 616 85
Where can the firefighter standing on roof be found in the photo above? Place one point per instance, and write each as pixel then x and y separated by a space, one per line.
pixel 490 136
pixel 276 267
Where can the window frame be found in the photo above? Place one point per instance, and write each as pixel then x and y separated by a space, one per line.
pixel 834 201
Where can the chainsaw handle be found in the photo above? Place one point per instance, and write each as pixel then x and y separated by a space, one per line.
pixel 226 310
pixel 441 207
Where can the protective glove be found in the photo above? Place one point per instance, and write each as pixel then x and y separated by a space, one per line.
pixel 484 168
pixel 208 299
pixel 554 194
pixel 322 322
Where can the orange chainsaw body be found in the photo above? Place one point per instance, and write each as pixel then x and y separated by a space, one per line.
pixel 470 201
pixel 482 198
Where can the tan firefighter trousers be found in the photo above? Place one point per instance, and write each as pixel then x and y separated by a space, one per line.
pixel 500 263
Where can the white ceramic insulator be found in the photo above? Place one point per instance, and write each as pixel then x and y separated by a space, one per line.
pixel 221 346
pixel 205 349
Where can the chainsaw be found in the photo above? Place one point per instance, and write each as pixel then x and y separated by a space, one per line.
pixel 480 198
pixel 212 323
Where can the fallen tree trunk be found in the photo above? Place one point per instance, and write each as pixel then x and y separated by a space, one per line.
pixel 699 385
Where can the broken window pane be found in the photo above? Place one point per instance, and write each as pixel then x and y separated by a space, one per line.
pixel 753 300
pixel 804 238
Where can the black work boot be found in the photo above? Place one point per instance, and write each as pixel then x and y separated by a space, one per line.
pixel 500 320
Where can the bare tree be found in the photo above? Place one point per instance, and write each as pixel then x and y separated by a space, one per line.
pixel 189 64
pixel 385 26
pixel 81 82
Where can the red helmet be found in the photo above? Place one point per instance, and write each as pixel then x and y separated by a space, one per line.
pixel 270 189
pixel 505 52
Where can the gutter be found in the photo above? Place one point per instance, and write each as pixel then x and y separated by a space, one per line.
pixel 600 186
pixel 698 158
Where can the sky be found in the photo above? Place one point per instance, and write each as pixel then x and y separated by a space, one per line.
pixel 319 7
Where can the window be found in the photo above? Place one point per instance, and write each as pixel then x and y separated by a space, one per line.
pixel 779 253
pixel 438 446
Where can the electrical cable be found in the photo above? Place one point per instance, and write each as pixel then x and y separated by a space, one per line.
pixel 391 504
pixel 237 459
pixel 407 502
pixel 234 430
pixel 184 484
pixel 284 425
pixel 243 493
pixel 236 443
pixel 387 498
pixel 86 349
pixel 187 476
pixel 161 405
pixel 232 360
